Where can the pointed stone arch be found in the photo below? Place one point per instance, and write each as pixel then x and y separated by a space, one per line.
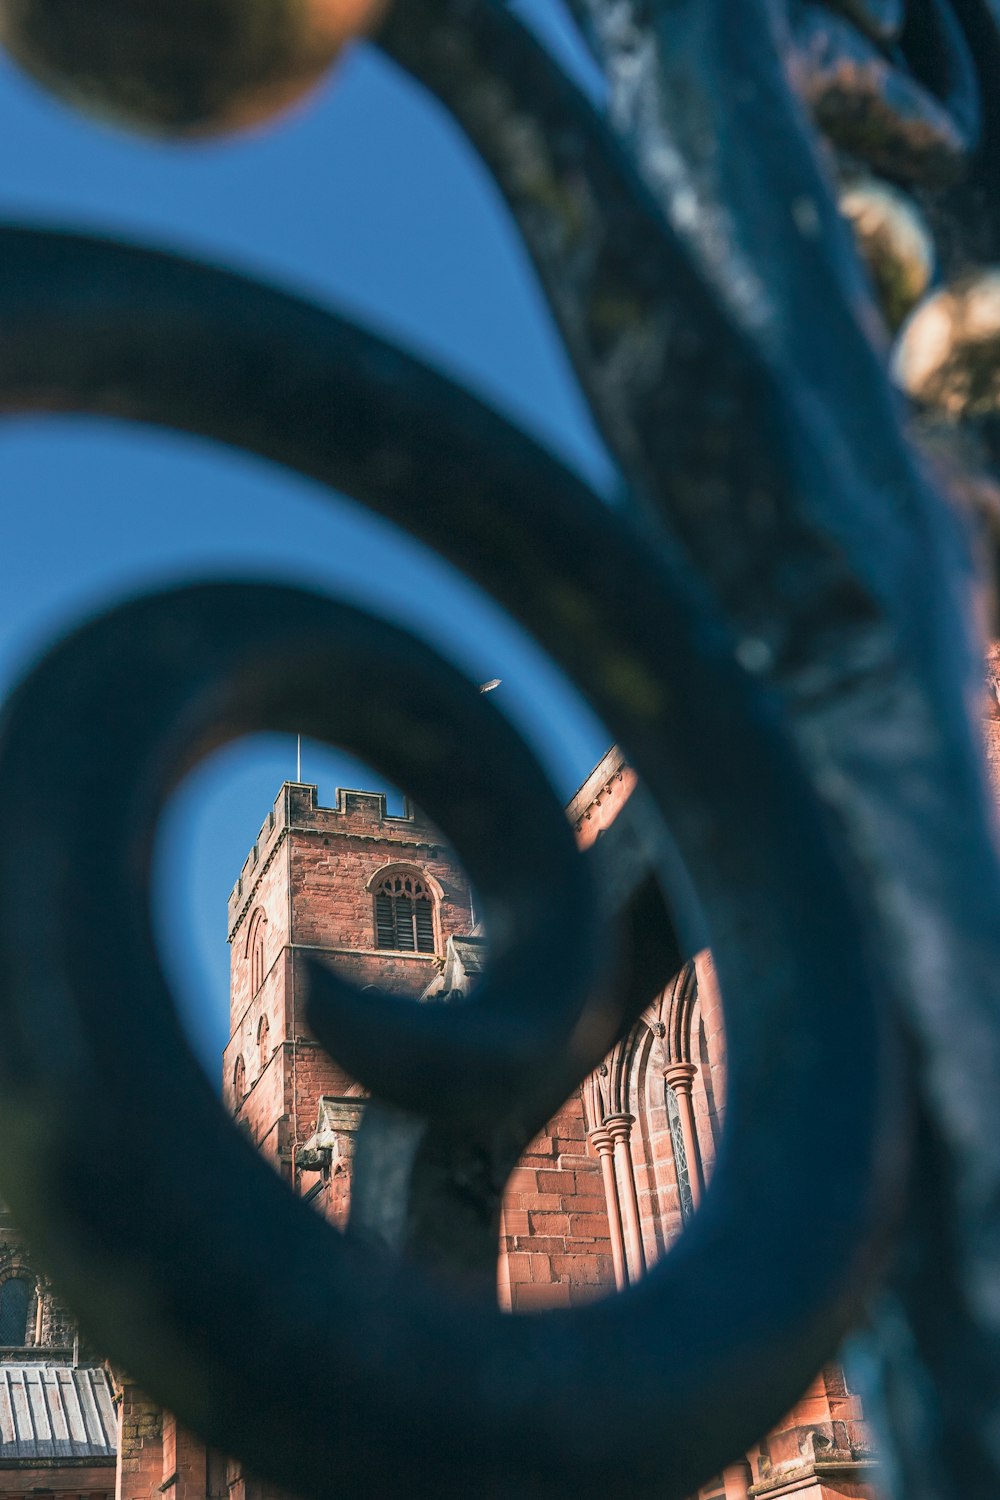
pixel 263 1043
pixel 253 948
pixel 406 905
pixel 675 1012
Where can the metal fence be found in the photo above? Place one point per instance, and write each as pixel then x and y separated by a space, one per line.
pixel 774 621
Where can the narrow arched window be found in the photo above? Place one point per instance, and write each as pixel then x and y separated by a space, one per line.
pixel 263 1043
pixel 15 1299
pixel 255 949
pixel 682 1167
pixel 404 913
pixel 239 1081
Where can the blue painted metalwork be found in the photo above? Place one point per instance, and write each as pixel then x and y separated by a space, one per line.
pixel 773 623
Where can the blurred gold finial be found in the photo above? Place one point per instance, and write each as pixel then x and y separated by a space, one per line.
pixel 947 357
pixel 182 68
pixel 894 241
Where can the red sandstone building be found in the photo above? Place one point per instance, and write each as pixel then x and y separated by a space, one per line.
pixel 598 1197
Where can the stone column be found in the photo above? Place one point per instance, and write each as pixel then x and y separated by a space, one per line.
pixel 604 1146
pixel 620 1129
pixel 680 1077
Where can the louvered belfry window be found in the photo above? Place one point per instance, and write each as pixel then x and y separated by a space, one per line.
pixel 404 914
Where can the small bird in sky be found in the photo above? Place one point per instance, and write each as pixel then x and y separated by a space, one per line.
pixel 487 687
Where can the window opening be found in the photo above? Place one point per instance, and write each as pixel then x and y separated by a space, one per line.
pixel 263 1043
pixel 239 1081
pixel 15 1297
pixel 255 949
pixel 404 914
pixel 681 1167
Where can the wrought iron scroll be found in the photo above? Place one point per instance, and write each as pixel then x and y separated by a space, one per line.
pixel 774 623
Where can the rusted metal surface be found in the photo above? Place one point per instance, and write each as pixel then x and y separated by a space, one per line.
pixel 774 621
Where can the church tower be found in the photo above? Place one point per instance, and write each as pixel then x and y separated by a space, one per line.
pixel 382 899
pixel 375 895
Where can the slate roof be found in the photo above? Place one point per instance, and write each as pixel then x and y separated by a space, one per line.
pixel 55 1412
pixel 334 1115
pixel 471 953
pixel 464 958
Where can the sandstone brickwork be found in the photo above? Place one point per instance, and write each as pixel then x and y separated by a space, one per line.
pixel 555 1246
pixel 305 894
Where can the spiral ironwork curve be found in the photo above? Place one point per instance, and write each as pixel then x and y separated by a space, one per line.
pixel 722 1336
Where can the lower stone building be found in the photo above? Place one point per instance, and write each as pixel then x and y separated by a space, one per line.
pixel 58 1424
pixel 597 1198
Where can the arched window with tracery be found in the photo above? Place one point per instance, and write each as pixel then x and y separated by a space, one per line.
pixel 15 1302
pixel 404 913
pixel 239 1081
pixel 263 1043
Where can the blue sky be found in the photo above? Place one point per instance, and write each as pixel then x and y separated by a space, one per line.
pixel 367 198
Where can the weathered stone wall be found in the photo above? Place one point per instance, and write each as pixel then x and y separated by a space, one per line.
pixel 555 1249
pixel 140 1445
pixel 305 894
pixel 67 1481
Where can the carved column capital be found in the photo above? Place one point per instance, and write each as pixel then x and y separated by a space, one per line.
pixel 680 1076
pixel 619 1126
pixel 605 1148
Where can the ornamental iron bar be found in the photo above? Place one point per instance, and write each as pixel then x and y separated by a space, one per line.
pixel 774 620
